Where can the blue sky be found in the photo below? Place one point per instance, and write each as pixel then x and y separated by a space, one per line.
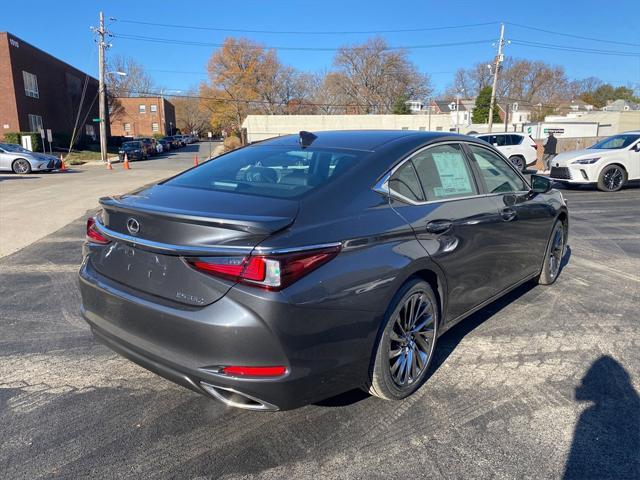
pixel 62 29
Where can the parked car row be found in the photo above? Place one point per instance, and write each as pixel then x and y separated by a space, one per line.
pixel 145 147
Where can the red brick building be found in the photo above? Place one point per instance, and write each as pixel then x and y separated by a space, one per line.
pixel 142 117
pixel 38 90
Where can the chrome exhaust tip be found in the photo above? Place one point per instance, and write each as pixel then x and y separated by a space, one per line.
pixel 234 398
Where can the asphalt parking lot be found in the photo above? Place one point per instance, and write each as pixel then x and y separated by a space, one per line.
pixel 541 384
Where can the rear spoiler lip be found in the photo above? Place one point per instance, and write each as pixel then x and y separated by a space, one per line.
pixel 245 223
pixel 197 250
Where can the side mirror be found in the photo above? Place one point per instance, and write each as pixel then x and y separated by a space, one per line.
pixel 540 184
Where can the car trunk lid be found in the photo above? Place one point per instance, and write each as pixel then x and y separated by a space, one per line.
pixel 154 229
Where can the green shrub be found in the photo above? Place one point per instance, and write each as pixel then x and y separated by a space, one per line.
pixel 16 137
pixel 158 136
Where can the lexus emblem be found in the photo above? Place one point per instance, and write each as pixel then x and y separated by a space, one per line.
pixel 133 226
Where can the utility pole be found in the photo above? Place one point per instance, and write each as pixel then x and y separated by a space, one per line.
pixel 102 45
pixel 499 59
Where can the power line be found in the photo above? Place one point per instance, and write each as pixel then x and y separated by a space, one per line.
pixel 303 103
pixel 307 32
pixel 304 49
pixel 566 48
pixel 570 35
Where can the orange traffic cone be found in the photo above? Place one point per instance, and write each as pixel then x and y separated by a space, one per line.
pixel 195 161
pixel 109 166
pixel 126 162
pixel 62 165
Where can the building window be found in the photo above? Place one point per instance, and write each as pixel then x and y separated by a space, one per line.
pixel 143 109
pixel 154 108
pixel 35 123
pixel 127 127
pixel 30 85
pixel 154 127
pixel 90 130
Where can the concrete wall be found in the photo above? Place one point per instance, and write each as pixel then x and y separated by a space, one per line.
pixel 261 127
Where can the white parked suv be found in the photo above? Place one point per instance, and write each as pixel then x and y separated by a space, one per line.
pixel 609 164
pixel 519 148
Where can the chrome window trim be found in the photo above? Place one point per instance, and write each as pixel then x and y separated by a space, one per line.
pixel 204 250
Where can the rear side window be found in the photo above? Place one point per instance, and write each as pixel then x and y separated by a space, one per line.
pixel 404 182
pixel 444 173
pixel 515 139
pixel 497 175
pixel 270 171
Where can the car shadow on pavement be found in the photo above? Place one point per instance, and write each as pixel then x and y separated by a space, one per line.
pixel 18 177
pixel 606 440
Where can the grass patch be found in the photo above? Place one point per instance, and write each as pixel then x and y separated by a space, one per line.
pixel 78 157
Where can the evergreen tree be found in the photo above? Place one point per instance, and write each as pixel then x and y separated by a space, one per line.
pixel 400 106
pixel 481 110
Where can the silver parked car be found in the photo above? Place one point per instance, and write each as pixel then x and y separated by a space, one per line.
pixel 20 160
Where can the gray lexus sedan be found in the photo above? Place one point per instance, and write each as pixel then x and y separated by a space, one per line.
pixel 297 268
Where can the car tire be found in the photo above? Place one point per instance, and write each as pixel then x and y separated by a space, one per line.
pixel 21 166
pixel 518 162
pixel 553 255
pixel 612 178
pixel 401 359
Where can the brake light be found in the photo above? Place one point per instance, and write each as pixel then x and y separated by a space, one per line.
pixel 271 272
pixel 276 371
pixel 93 235
pixel 535 145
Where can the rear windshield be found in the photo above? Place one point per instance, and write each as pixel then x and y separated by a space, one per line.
pixel 131 145
pixel 270 171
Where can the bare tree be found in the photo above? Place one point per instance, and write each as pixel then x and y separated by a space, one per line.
pixel 372 77
pixel 136 83
pixel 190 115
pixel 525 80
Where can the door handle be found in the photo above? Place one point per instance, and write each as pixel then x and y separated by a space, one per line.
pixel 508 214
pixel 439 226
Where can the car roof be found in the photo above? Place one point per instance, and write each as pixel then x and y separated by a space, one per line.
pixel 367 140
pixel 497 133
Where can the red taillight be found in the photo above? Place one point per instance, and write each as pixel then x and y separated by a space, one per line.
pixel 276 371
pixel 93 235
pixel 272 272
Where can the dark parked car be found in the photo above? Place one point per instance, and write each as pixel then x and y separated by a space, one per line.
pixel 175 142
pixel 135 150
pixel 149 146
pixel 301 267
pixel 166 144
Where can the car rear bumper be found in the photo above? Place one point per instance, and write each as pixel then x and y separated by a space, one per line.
pixel 188 345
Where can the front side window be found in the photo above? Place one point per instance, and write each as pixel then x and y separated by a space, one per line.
pixel 498 176
pixel 35 123
pixel 30 85
pixel 142 108
pixel 271 171
pixel 444 173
